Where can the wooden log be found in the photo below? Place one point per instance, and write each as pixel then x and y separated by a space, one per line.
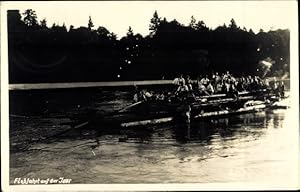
pixel 227 112
pixel 221 96
pixel 223 100
pixel 147 122
pixel 130 106
pixel 202 115
pixel 81 125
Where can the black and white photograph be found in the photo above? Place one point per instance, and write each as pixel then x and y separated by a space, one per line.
pixel 149 95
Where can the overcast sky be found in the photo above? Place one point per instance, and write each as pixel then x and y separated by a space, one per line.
pixel 118 16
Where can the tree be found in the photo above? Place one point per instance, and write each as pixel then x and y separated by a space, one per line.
pixel 53 25
pixel 233 25
pixel 90 24
pixel 201 26
pixel 64 27
pixel 105 34
pixel 71 28
pixel 43 23
pixel 112 36
pixel 154 23
pixel 251 31
pixel 175 22
pixel 130 32
pixel 164 20
pixel 14 21
pixel 102 31
pixel 174 48
pixel 30 18
pixel 192 23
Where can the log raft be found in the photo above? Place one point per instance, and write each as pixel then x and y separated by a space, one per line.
pixel 156 112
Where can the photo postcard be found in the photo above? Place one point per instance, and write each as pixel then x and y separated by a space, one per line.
pixel 149 95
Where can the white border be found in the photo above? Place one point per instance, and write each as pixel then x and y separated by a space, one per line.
pixel 4 101
pixel 138 187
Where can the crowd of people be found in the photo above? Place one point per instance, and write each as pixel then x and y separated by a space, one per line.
pixel 216 83
pixel 224 83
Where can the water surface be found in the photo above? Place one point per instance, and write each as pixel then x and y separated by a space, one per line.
pixel 257 147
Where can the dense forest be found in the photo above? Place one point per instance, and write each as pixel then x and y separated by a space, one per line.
pixel 39 53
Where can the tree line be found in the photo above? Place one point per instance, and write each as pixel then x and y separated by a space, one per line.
pixel 42 53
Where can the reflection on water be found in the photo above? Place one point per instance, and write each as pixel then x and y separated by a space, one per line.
pixel 255 147
pixel 224 150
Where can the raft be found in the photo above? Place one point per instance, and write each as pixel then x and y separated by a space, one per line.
pixel 152 112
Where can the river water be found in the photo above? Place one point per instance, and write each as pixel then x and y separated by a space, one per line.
pixel 257 148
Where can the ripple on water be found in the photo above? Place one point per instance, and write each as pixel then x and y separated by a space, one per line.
pixel 252 147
